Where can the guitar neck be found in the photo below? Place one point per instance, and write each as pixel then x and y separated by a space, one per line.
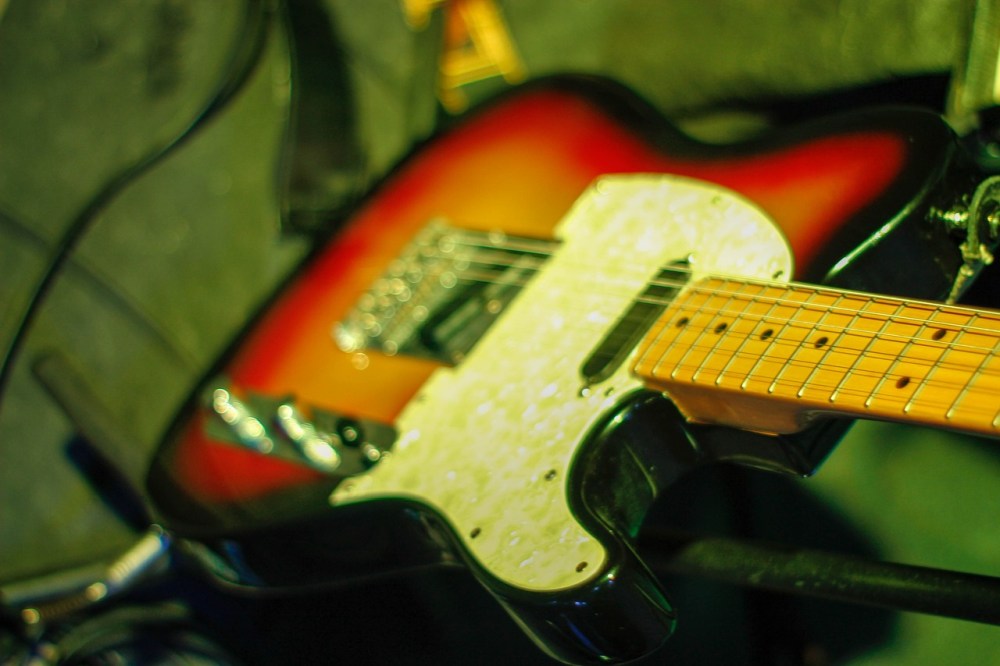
pixel 772 357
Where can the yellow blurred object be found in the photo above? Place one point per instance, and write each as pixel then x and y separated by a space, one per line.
pixel 477 45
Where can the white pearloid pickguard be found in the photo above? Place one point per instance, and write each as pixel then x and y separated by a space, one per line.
pixel 489 444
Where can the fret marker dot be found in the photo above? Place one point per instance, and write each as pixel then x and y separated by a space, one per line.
pixel 902 382
pixel 766 335
pixel 682 322
pixel 821 342
pixel 721 327
pixel 939 334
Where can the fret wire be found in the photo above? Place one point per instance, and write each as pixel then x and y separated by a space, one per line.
pixel 888 399
pixel 687 297
pixel 749 336
pixel 891 336
pixel 901 320
pixel 939 363
pixel 849 390
pixel 965 389
pixel 720 335
pixel 890 318
pixel 837 329
pixel 827 352
pixel 846 388
pixel 899 358
pixel 827 311
pixel 785 324
pixel 673 372
pixel 680 300
pixel 900 338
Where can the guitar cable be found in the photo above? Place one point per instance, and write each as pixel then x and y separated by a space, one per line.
pixel 243 61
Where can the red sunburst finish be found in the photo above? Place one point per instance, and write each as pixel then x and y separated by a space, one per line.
pixel 518 166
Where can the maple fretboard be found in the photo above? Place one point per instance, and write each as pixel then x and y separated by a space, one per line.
pixel 771 357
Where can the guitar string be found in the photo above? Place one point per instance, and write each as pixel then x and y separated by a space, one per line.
pixel 497 257
pixel 793 345
pixel 887 398
pixel 486 277
pixel 525 243
pixel 833 329
pixel 628 269
pixel 698 288
pixel 782 345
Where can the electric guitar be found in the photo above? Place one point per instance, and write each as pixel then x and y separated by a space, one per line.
pixel 547 314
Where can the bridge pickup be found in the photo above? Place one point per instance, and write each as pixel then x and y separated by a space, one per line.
pixel 626 333
pixel 441 295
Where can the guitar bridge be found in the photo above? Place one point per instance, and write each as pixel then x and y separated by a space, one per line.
pixel 444 291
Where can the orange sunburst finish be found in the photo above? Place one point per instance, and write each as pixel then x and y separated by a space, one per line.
pixel 516 166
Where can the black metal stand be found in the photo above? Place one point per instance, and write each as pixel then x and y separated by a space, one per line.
pixel 790 570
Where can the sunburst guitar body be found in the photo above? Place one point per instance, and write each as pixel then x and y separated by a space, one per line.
pixel 478 367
